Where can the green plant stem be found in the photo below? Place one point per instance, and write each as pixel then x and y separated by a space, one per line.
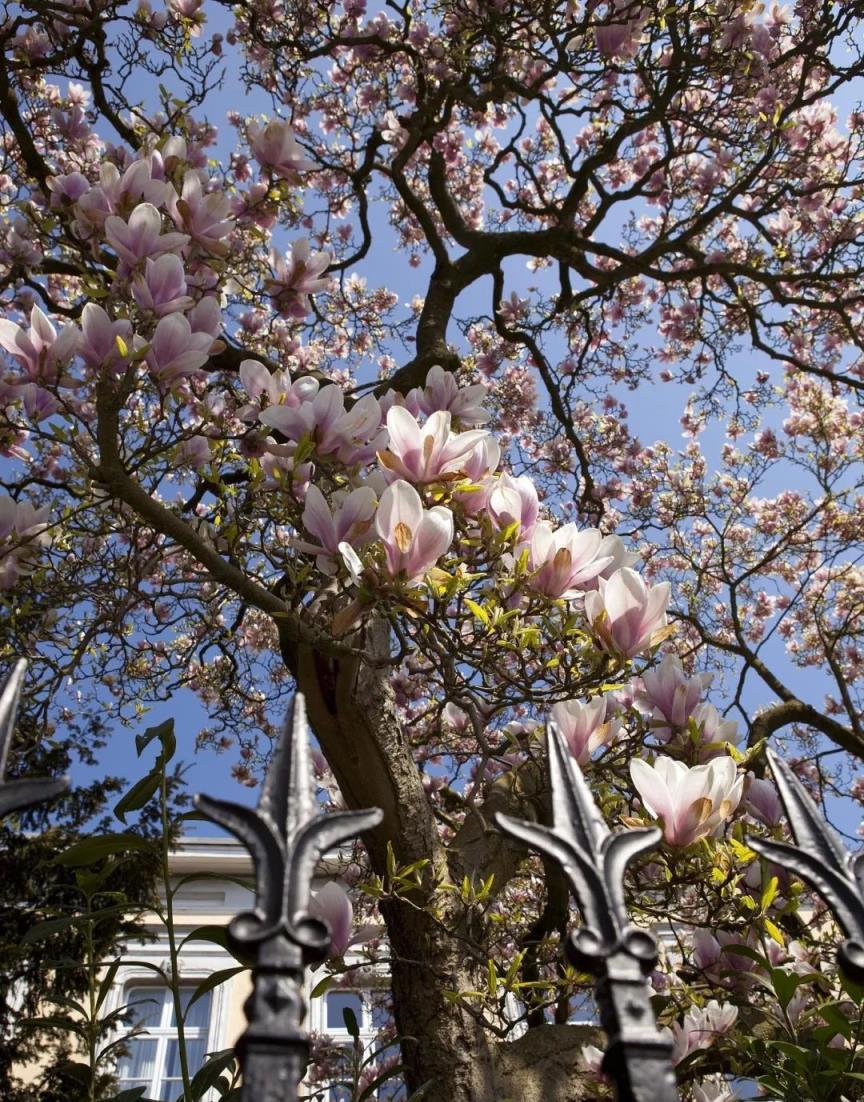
pixel 92 1023
pixel 172 940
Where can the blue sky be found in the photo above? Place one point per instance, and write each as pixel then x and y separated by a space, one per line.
pixel 655 415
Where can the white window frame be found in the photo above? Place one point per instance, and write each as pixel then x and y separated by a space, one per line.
pixel 339 1035
pixel 193 969
pixel 165 1032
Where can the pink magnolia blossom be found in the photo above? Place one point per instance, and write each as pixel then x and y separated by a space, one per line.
pixel 275 148
pixel 669 696
pixel 161 289
pixel 443 393
pixel 625 613
pixel 427 453
pixel 276 387
pixel 141 236
pixel 98 345
pixel 194 452
pixel 175 350
pixel 514 501
pixel 706 951
pixel 701 1027
pixel 690 802
pixel 295 278
pixel 562 560
pixel 414 539
pixel 204 216
pixel 619 557
pixel 332 905
pixel 584 726
pixel 713 730
pixel 762 801
pixel 115 193
pixel 353 436
pixel 23 532
pixel 40 350
pixel 350 522
pixel 591 1059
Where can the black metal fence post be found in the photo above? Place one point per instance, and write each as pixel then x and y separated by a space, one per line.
pixel 594 860
pixel 820 859
pixel 286 840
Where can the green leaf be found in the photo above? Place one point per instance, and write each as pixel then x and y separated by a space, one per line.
pixel 54 925
pixel 322 988
pixel 106 983
pixel 138 795
pixel 206 1077
pixel 165 734
pixel 90 850
pixel 131 1094
pixel 213 980
pixel 769 894
pixel 350 1019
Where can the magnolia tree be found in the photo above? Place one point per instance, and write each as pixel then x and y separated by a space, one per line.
pixel 239 461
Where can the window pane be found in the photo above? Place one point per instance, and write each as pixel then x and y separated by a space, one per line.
pixel 195 1052
pixel 145 1006
pixel 141 1061
pixel 339 1001
pixel 198 1017
pixel 583 1008
pixel 381 1015
pixel 393 1090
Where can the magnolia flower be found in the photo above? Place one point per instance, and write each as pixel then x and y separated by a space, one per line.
pixel 162 287
pixel 275 148
pixel 413 538
pixel 563 560
pixel 350 522
pixel 40 351
pixel 194 452
pixel 426 453
pixel 23 527
pixel 690 802
pixel 762 802
pixel 713 731
pixel 98 345
pixel 141 235
pixel 276 387
pixel 297 277
pixel 619 556
pixel 443 393
pixel 591 1059
pixel 514 501
pixel 353 436
pixel 204 216
pixel 706 949
pixel 621 35
pixel 669 696
pixel 584 726
pixel 455 717
pixel 701 1028
pixel 175 350
pixel 624 613
pixel 332 906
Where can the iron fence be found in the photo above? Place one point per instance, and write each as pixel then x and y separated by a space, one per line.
pixel 286 839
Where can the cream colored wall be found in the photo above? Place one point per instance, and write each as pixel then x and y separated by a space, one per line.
pixel 213 857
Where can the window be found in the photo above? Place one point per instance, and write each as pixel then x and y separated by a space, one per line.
pixel 153 1060
pixel 374 1022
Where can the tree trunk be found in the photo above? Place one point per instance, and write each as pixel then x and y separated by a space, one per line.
pixel 352 712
